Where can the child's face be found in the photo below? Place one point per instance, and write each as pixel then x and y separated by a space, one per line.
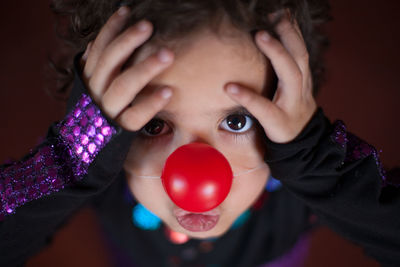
pixel 198 112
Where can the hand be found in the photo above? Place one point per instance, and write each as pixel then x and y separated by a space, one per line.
pixel 114 89
pixel 293 104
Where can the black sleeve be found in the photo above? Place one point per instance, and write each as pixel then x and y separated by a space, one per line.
pixel 341 179
pixel 81 156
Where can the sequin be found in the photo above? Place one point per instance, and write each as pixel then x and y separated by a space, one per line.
pixel 92 148
pixel 90 112
pixel 69 121
pixel 84 121
pixel 84 139
pixel 85 157
pixel 48 161
pixel 18 185
pixel 99 139
pixel 21 197
pixel 8 209
pixel 77 131
pixel 44 188
pixel 41 179
pixel 29 182
pixel 69 138
pixel 56 183
pixel 98 122
pixel 63 130
pixel 78 149
pixel 91 131
pixel 84 101
pixel 77 112
pixel 57 164
pixel 52 172
pixel 106 130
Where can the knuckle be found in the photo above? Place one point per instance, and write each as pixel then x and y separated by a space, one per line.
pixel 104 105
pixel 95 48
pixel 102 61
pixel 131 36
pixel 280 51
pixel 113 24
pixel 118 88
pixel 134 120
pixel 106 101
pixel 284 27
pixel 297 77
pixel 119 85
pixel 124 121
pixel 149 66
pixel 249 99
pixel 304 56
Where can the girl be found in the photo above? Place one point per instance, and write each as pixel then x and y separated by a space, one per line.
pixel 201 78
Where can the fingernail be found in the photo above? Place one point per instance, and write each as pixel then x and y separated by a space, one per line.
pixel 166 93
pixel 233 89
pixel 264 36
pixel 143 26
pixel 86 54
pixel 164 55
pixel 123 10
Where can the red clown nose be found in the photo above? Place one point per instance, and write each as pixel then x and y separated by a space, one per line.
pixel 197 177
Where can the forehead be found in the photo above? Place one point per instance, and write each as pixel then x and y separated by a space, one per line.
pixel 203 66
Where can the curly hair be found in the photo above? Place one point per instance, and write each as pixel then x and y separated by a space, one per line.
pixel 176 19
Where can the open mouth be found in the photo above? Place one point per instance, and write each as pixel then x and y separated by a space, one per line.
pixel 197 222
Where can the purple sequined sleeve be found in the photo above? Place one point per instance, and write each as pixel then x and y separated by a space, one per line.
pixel 58 162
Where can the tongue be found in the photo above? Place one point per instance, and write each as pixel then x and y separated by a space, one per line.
pixel 197 222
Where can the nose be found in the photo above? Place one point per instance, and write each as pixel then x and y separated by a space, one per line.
pixel 197 177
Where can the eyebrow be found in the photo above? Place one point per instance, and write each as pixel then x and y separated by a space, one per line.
pixel 222 113
pixel 234 110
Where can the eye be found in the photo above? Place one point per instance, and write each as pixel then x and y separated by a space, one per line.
pixel 237 123
pixel 155 127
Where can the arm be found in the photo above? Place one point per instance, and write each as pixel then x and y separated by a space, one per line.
pixel 42 190
pixel 342 180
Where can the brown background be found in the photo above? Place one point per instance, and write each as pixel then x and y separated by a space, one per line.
pixel 362 89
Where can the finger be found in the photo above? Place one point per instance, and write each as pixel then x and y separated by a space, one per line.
pixel 124 88
pixel 87 51
pixel 108 32
pixel 266 112
pixel 116 54
pixel 288 72
pixel 136 116
pixel 293 41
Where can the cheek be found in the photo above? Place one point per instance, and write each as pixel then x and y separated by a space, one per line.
pixel 147 158
pixel 243 154
pixel 245 191
pixel 151 194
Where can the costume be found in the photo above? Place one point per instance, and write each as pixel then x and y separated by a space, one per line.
pixel 325 171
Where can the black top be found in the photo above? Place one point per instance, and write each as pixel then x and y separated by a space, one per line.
pixel 325 171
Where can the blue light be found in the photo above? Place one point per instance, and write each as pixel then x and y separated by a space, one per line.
pixel 145 219
pixel 273 184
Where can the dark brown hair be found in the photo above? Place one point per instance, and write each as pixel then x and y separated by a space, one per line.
pixel 176 19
